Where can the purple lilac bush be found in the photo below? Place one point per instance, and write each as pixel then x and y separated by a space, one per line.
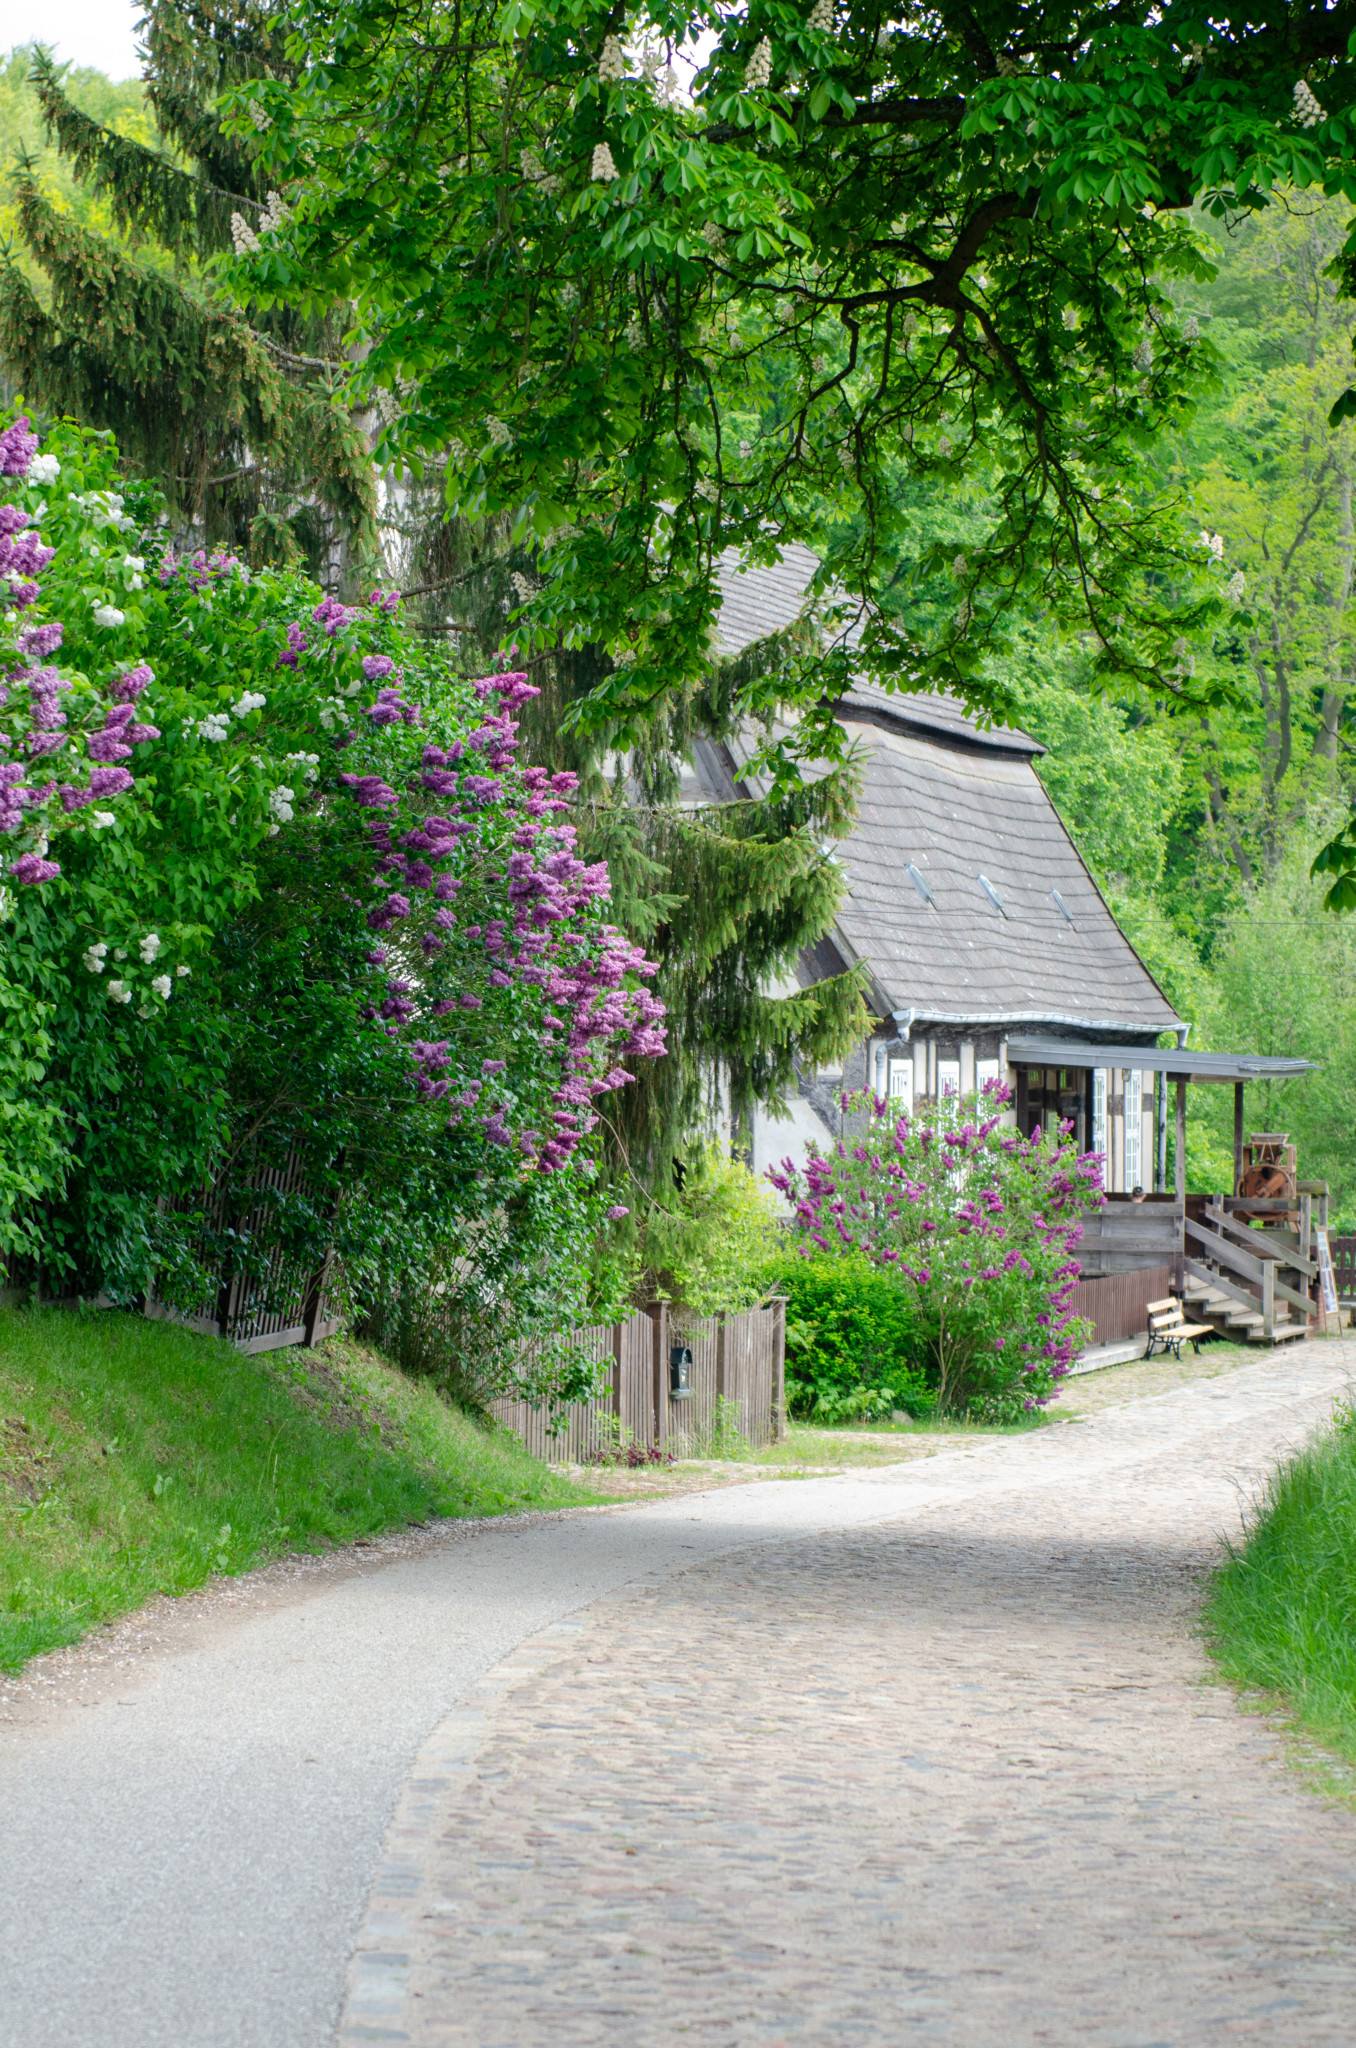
pixel 978 1227
pixel 329 913
pixel 64 742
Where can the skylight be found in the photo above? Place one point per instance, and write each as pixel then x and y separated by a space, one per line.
pixel 920 885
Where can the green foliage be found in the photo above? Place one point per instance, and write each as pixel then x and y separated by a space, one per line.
pixel 707 1237
pixel 1282 1611
pixel 855 1345
pixel 733 893
pixel 202 988
pixel 671 324
pixel 136 1459
pixel 109 314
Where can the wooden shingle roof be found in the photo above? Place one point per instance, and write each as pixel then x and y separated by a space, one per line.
pixel 945 802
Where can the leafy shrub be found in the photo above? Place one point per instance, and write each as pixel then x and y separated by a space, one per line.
pixel 854 1340
pixel 711 1240
pixel 975 1225
pixel 326 917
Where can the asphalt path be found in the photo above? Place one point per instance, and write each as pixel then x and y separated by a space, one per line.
pixel 187 1849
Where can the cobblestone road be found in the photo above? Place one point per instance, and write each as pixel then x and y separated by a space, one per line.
pixel 958 1778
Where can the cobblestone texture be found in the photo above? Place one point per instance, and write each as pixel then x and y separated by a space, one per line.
pixel 957 1778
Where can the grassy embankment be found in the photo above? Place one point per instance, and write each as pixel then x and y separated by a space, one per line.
pixel 137 1458
pixel 1282 1611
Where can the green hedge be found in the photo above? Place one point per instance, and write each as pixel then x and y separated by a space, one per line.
pixel 853 1341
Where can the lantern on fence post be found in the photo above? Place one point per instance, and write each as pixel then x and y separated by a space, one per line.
pixel 680 1373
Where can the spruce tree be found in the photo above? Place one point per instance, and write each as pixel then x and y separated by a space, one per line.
pixel 232 410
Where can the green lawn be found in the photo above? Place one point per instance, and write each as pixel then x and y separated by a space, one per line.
pixel 1282 1611
pixel 137 1458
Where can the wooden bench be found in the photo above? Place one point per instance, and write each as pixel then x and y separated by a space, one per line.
pixel 1169 1329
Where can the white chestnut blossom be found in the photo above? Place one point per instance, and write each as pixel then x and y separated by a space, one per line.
pixel 1307 110
pixel 758 70
pixel 1215 543
pixel 243 237
pixel 1235 587
pixel 499 435
pixel 603 169
pixel 612 63
pixel 821 17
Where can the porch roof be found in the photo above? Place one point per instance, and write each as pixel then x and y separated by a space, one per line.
pixel 1176 1060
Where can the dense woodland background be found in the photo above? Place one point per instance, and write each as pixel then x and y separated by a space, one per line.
pixel 1199 828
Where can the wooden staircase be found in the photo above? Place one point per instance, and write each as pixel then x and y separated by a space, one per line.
pixel 1241 1325
pixel 1251 1285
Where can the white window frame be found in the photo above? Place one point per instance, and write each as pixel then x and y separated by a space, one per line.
pixel 1100 1127
pixel 900 1085
pixel 1134 1129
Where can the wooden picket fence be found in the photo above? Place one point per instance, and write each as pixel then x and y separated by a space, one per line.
pixel 739 1360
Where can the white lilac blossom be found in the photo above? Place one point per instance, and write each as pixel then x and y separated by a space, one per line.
pixel 38 725
pixel 101 820
pixel 149 948
pixel 251 701
pixel 758 70
pixel 108 615
pixel 120 991
pixel 216 726
pixel 603 170
pixel 280 802
pixel 94 957
pixel 183 972
pixel 162 985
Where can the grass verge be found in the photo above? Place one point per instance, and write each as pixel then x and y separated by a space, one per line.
pixel 137 1458
pixel 1281 1612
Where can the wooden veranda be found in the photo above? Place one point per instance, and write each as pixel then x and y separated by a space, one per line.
pixel 1259 1284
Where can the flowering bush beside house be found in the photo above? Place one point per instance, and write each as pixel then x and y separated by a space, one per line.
pixel 975 1226
pixel 275 885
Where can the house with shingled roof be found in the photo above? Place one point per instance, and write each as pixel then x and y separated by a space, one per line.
pixel 967 902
